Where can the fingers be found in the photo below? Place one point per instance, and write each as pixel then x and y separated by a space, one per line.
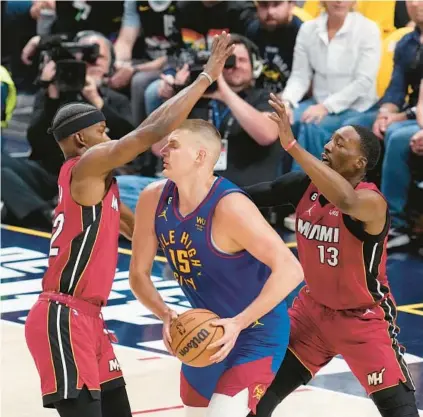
pixel 273 116
pixel 229 51
pixel 222 353
pixel 220 322
pixel 168 347
pixel 220 44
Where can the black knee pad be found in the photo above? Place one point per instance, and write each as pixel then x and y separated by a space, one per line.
pixel 398 401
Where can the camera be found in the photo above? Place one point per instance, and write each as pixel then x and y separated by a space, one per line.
pixel 70 72
pixel 196 61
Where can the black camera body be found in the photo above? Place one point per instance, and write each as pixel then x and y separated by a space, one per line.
pixel 196 61
pixel 70 72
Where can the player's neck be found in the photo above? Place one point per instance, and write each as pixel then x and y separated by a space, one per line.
pixel 355 180
pixel 192 191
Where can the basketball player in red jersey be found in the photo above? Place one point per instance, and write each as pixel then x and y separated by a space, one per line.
pixel 346 306
pixel 65 332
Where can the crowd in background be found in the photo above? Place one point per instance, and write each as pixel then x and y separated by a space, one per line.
pixel 334 63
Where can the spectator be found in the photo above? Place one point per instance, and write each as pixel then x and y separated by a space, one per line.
pixel 339 52
pixel 29 187
pixel 274 31
pixel 8 96
pixel 250 152
pixel 397 103
pixel 396 176
pixel 156 22
pixel 114 105
pixel 76 16
pixel 388 14
pixel 211 18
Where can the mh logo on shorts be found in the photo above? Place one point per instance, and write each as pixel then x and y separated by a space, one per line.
pixel 375 378
pixel 114 365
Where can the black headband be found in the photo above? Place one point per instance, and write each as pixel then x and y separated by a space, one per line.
pixel 78 124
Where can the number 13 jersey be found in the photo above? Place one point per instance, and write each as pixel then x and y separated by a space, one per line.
pixel 344 267
pixel 84 243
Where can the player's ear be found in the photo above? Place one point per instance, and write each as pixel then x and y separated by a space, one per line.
pixel 80 140
pixel 201 155
pixel 361 162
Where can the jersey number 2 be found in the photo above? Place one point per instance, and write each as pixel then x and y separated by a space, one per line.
pixel 328 255
pixel 57 227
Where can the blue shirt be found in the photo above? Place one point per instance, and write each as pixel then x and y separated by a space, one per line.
pixel 407 72
pixel 223 283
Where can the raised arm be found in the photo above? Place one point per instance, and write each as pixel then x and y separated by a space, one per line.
pixel 364 205
pixel 100 160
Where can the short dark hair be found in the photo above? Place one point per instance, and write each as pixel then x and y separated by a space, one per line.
pixel 370 146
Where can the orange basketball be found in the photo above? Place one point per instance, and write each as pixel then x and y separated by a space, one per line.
pixel 191 333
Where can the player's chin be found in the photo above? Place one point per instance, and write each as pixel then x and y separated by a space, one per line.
pixel 166 172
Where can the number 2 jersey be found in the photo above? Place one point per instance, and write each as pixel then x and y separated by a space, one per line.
pixel 84 243
pixel 221 282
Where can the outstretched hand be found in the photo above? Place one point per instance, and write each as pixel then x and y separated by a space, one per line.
pixel 220 52
pixel 281 118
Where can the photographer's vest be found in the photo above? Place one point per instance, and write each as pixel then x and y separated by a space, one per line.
pixel 11 96
pixel 158 29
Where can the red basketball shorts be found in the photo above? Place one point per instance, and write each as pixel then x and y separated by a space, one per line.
pixel 71 348
pixel 366 339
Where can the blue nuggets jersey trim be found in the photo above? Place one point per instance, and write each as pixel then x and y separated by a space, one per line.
pixel 223 283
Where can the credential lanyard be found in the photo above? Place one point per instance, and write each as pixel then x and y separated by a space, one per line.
pixel 216 118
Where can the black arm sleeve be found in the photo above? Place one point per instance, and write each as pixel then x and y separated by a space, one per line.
pixel 287 189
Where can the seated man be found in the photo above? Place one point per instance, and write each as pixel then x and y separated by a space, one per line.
pixel 239 111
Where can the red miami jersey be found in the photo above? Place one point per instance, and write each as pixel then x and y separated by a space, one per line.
pixel 84 243
pixel 344 267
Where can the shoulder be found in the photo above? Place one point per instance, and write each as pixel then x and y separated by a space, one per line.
pixel 235 203
pixel 405 40
pixel 311 26
pixel 155 188
pixel 149 198
pixel 364 25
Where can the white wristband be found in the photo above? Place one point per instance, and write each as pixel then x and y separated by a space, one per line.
pixel 207 76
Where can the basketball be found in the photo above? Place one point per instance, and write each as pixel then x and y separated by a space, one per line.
pixel 191 333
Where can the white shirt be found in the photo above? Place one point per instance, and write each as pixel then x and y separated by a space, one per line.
pixel 343 71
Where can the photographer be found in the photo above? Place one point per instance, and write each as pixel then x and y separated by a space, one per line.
pixel 92 89
pixel 239 110
pixel 30 187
